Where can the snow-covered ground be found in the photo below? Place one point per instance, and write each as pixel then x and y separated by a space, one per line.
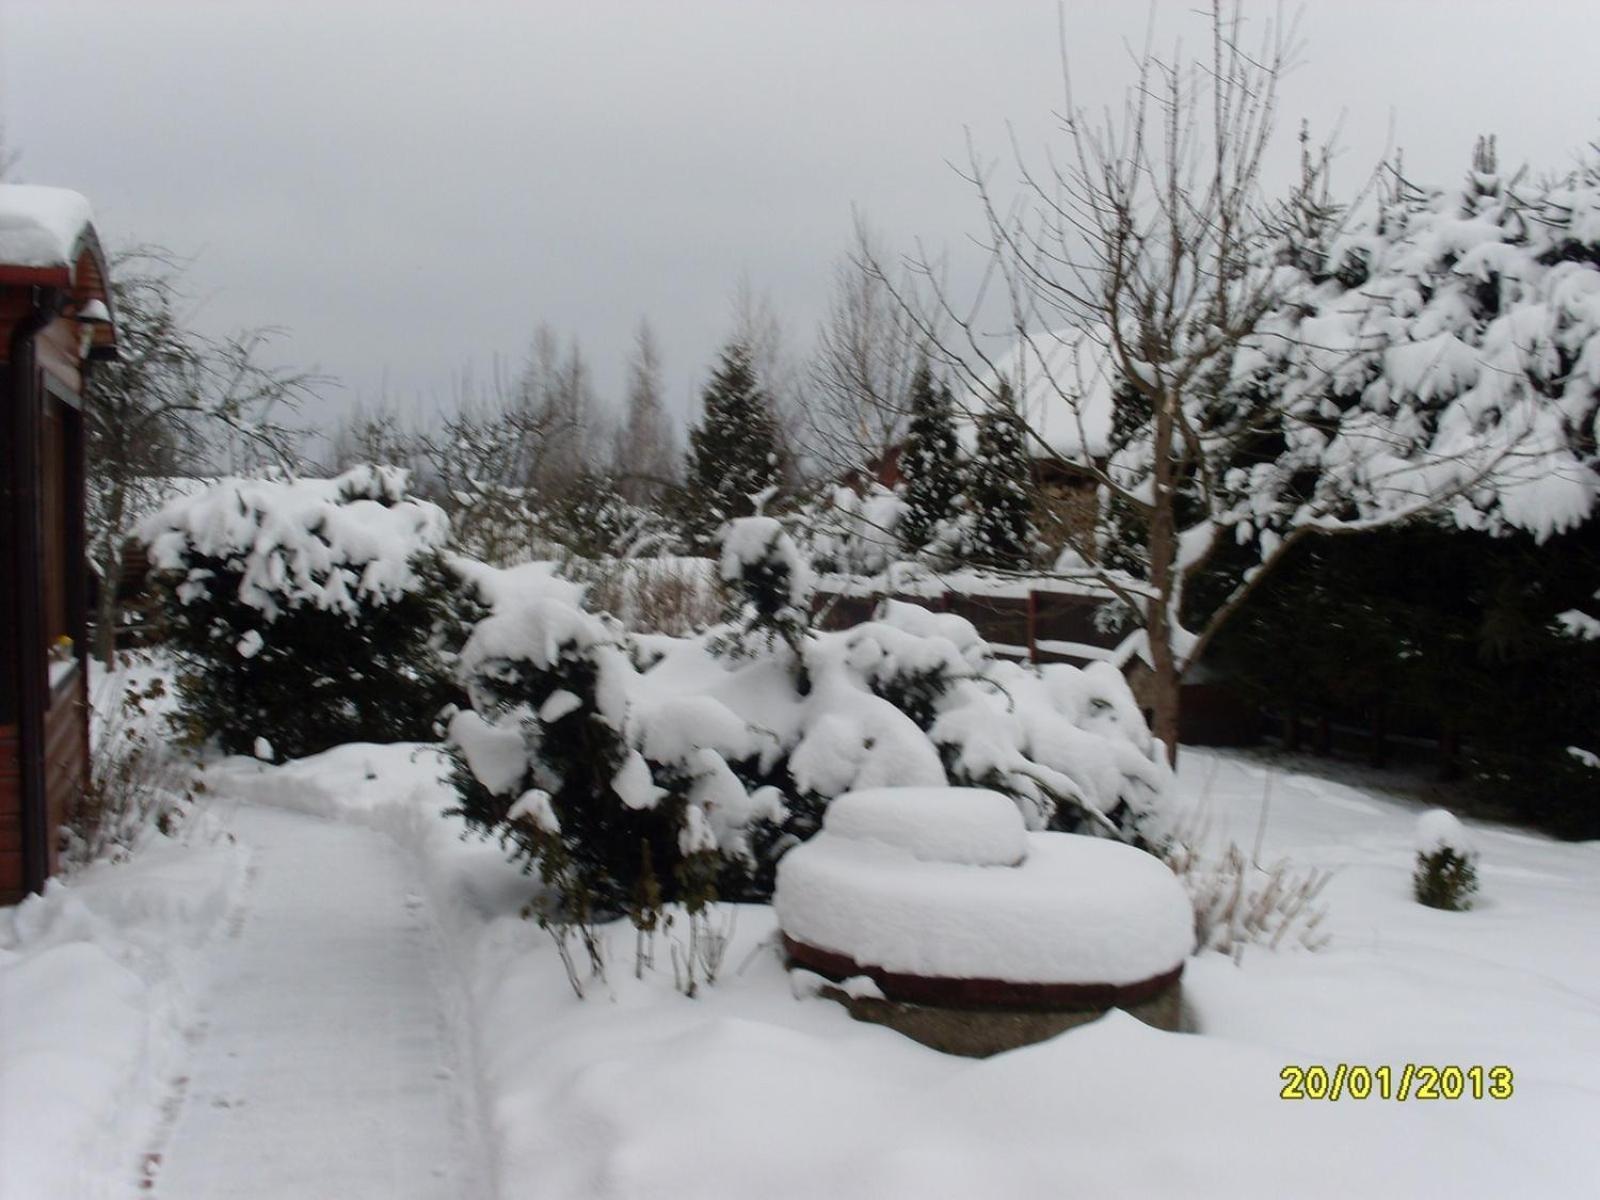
pixel 746 1090
pixel 101 983
pixel 639 1091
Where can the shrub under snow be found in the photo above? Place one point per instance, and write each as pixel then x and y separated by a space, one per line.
pixel 305 611
pixel 1446 874
pixel 684 767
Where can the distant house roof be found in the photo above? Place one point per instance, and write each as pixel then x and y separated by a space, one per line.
pixel 1064 389
pixel 47 239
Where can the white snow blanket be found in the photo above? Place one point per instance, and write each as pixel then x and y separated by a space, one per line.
pixel 924 882
pixel 98 980
pixel 639 1093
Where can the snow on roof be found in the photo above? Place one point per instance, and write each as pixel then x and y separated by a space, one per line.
pixel 41 226
pixel 1064 386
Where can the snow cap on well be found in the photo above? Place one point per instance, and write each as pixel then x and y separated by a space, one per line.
pixel 934 824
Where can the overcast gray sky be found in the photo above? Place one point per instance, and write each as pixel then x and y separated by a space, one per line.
pixel 409 188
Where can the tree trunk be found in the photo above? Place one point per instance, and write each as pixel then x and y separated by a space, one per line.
pixel 1159 618
pixel 108 612
pixel 108 609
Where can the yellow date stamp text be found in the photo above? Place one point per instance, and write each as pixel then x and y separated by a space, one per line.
pixel 1410 1081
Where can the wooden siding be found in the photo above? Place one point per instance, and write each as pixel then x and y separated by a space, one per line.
pixel 57 345
pixel 11 875
pixel 66 768
pixel 66 753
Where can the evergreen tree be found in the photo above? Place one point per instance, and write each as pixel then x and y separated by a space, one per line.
pixel 1000 491
pixel 733 453
pixel 769 587
pixel 930 462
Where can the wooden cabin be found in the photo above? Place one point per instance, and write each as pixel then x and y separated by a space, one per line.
pixel 56 318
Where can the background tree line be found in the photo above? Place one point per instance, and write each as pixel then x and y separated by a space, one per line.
pixel 1240 378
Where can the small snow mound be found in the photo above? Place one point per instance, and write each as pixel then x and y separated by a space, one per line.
pixel 1438 829
pixel 934 824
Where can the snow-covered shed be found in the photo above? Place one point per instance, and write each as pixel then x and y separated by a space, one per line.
pixel 56 318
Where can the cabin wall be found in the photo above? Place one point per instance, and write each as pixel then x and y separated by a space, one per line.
pixel 66 755
pixel 12 880
pixel 44 731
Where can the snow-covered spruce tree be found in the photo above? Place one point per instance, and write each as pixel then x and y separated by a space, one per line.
pixel 1446 871
pixel 734 455
pixel 849 532
pixel 930 461
pixel 542 761
pixel 999 489
pixel 769 589
pixel 306 612
pixel 594 520
pixel 619 798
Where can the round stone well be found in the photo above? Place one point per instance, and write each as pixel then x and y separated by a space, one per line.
pixel 935 912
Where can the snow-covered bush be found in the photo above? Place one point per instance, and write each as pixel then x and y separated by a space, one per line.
pixel 308 612
pixel 854 534
pixel 549 756
pixel 769 586
pixel 682 767
pixel 1447 349
pixel 1446 874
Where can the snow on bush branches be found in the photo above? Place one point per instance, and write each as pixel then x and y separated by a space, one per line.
pixel 306 611
pixel 682 768
pixel 1447 350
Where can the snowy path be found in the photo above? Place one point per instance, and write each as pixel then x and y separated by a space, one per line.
pixel 328 1066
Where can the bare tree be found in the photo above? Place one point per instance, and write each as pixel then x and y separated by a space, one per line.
pixel 866 357
pixel 174 404
pixel 375 432
pixel 1217 363
pixel 646 447
pixel 488 460
pixel 558 383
